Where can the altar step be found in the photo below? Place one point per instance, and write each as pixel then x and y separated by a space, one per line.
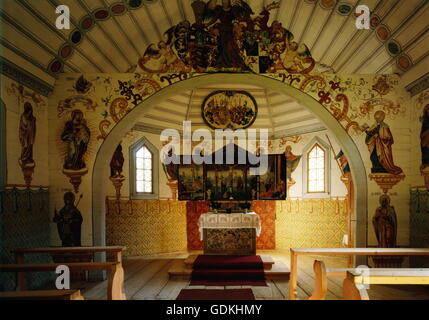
pixel 273 271
pixel 266 260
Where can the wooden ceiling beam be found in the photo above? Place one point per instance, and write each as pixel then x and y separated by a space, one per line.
pixel 355 52
pixel 84 6
pixel 402 25
pixel 340 29
pixel 44 20
pixel 28 34
pixel 122 31
pixel 55 4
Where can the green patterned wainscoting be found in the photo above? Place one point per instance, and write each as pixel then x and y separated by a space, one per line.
pixel 24 222
pixel 419 225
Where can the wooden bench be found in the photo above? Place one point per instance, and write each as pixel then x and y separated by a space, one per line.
pixel 343 252
pixel 115 279
pixel 20 253
pixel 353 288
pixel 42 295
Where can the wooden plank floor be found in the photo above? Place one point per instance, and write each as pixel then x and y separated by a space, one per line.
pixel 147 279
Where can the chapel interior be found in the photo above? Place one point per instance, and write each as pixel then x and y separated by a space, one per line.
pixel 309 119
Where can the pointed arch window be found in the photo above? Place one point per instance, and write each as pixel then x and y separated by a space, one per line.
pixel 144 170
pixel 316 180
pixel 316 173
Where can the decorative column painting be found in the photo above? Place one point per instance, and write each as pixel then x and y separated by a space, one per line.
pixel 27 137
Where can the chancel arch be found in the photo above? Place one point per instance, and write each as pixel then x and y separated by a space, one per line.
pixel 359 217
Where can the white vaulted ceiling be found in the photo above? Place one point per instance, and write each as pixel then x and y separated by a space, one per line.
pixel 115 43
pixel 281 115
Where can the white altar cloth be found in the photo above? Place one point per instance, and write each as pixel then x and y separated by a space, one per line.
pixel 233 220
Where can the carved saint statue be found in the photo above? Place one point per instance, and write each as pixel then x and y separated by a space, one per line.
pixel 170 166
pixel 117 163
pixel 385 223
pixel 76 134
pixel 69 222
pixel 424 138
pixel 379 140
pixel 292 162
pixel 27 134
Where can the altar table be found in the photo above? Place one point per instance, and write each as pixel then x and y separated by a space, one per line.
pixel 229 234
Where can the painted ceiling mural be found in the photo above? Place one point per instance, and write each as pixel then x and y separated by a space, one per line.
pixel 228 38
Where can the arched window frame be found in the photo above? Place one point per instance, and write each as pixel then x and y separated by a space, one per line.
pixel 143 142
pixel 3 170
pixel 306 152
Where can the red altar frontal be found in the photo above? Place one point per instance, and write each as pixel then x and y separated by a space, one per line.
pixel 229 234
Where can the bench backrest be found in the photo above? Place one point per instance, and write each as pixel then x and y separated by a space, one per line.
pixel 42 295
pixel 77 266
pixel 68 249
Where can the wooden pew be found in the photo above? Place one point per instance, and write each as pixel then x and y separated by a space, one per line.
pixel 343 252
pixel 42 295
pixel 353 288
pixel 115 280
pixel 20 252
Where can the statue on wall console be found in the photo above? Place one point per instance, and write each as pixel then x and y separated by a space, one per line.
pixel 292 162
pixel 27 137
pixel 117 162
pixel 171 171
pixel 116 167
pixel 379 140
pixel 385 223
pixel 69 222
pixel 424 145
pixel 77 136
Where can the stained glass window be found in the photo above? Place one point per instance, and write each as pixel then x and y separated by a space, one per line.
pixel 144 173
pixel 316 180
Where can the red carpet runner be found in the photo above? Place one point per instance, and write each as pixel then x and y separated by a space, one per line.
pixel 213 270
pixel 210 294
